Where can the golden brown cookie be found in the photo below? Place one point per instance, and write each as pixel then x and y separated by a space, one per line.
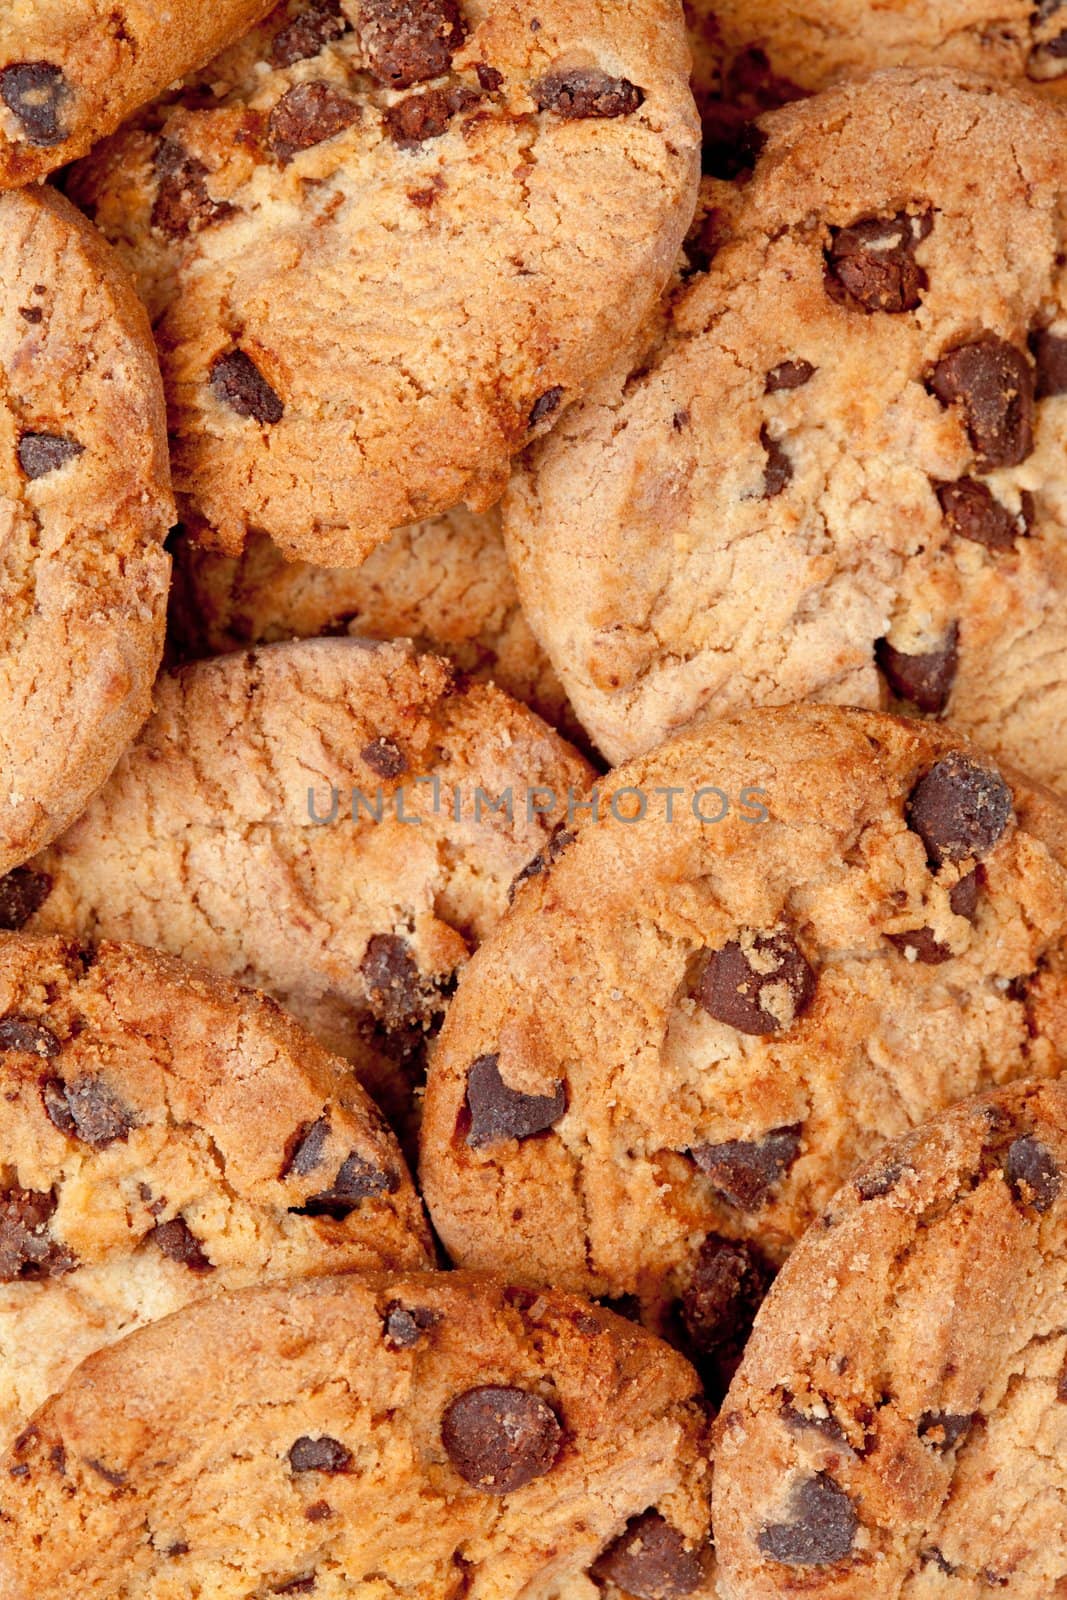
pixel 166 1136
pixel 899 1423
pixel 317 819
pixel 385 245
pixel 85 504
pixel 409 1435
pixel 788 938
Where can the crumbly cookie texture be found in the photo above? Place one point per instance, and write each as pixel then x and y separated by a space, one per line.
pixel 72 70
pixel 372 221
pixel 751 56
pixel 899 1423
pixel 168 1135
pixel 85 504
pixel 445 584
pixel 382 1434
pixel 684 1035
pixel 289 817
pixel 838 477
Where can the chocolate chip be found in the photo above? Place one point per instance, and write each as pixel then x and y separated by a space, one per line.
pixel 305 1149
pixel 317 26
pixel 405 1325
pixel 498 1112
pixel 1050 354
pixel 561 838
pixel 87 1110
pixel 728 1284
pixel 239 384
pixel 881 1180
pixel 821 1530
pixel 587 92
pixel 1033 1173
pixel 799 1421
pixel 27 1250
pixel 488 77
pixel 177 1242
pixel 1061 1385
pixel 732 144
pixel 110 1475
pixel 41 453
pixel 31 314
pixel 410 122
pixel 546 405
pixel 971 511
pixel 789 375
pixel 28 1036
pixel 921 944
pixel 306 115
pixel 963 896
pixel 943 1431
pixel 410 41
pixel 393 980
pixel 34 91
pixel 183 205
pixel 759 983
pixel 959 809
pixel 746 1171
pixel 384 757
pixel 499 1438
pixel 319 1511
pixel 305 1585
pixel 924 679
pixel 872 264
pixel 992 383
pixel 650 1561
pixel 22 893
pixel 779 469
pixel 319 1455
pixel 356 1181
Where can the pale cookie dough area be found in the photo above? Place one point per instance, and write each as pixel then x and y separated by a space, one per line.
pixel 385 245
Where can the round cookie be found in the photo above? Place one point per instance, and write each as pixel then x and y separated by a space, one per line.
pixel 288 817
pixel 751 56
pixel 401 1434
pixel 898 1425
pixel 386 245
pixel 839 474
pixel 85 504
pixel 72 70
pixel 168 1135
pixel 686 1033
pixel 445 584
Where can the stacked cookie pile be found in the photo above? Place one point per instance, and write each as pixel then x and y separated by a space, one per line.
pixel 410 408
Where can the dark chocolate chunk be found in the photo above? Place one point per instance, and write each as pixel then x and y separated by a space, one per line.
pixel 42 453
pixel 356 1181
pixel 489 77
pixel 821 1530
pixel 745 1172
pixel 778 472
pixel 410 41
pixel 305 1149
pixel 728 1284
pixel 992 383
pixel 318 25
pixel 500 1438
pixel 394 983
pixel 319 1455
pixel 879 1181
pixel 87 1110
pixel 22 893
pixel 183 205
pixel 1050 354
pixel 34 91
pixel 546 404
pixel 499 1112
pixel 650 1561
pixel 971 511
pixel 943 1430
pixel 1033 1173
pixel 384 757
pixel 308 114
pixel 924 679
pixel 758 984
pixel 27 1249
pixel 959 809
pixel 177 1241
pixel 410 122
pixel 239 384
pixel 561 838
pixel 405 1325
pixel 580 92
pixel 872 264
pixel 28 1036
pixel 789 375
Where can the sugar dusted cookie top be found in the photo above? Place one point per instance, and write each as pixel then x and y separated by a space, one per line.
pixel 404 1434
pixel 386 244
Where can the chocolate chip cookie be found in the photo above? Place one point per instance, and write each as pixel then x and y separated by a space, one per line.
pixel 839 474
pixel 786 939
pixel 445 584
pixel 752 56
pixel 71 72
pixel 335 821
pixel 386 245
pixel 85 504
pixel 402 1434
pixel 899 1423
pixel 168 1135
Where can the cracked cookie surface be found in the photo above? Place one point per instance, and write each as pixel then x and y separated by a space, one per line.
pixel 684 1034
pixel 85 504
pixel 288 818
pixel 372 221
pixel 168 1135
pixel 72 70
pixel 393 1434
pixel 899 1422
pixel 864 396
pixel 445 584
